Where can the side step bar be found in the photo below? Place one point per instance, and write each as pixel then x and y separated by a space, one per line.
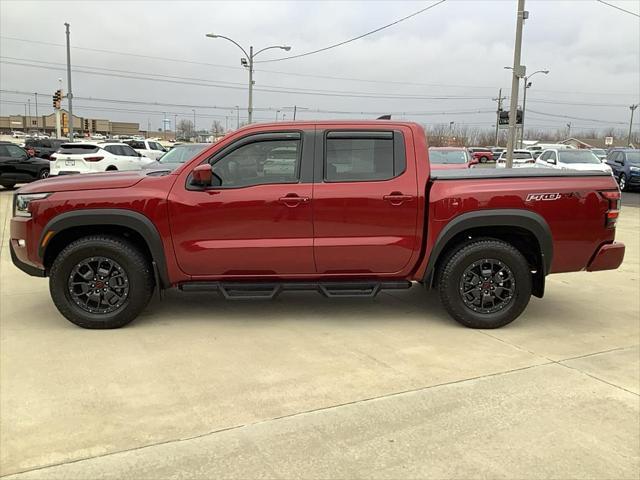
pixel 266 291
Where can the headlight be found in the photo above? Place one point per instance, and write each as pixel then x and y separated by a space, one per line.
pixel 634 169
pixel 22 201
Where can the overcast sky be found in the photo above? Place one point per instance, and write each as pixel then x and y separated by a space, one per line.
pixel 456 50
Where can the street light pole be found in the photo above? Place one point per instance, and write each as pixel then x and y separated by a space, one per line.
pixel 194 122
pixel 517 73
pixel 37 122
pixel 633 109
pixel 69 94
pixel 527 84
pixel 248 62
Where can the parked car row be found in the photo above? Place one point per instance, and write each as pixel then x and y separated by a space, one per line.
pixel 18 166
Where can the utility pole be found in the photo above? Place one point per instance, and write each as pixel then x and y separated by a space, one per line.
pixel 499 99
pixel 633 109
pixel 175 126
pixel 250 108
pixel 295 109
pixel 518 72
pixel 194 122
pixel 29 107
pixel 37 121
pixel 569 130
pixel 238 116
pixel 69 94
pixel 164 125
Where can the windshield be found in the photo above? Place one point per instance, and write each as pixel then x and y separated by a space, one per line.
pixel 447 156
pixel 181 154
pixel 633 157
pixel 577 156
pixel 598 151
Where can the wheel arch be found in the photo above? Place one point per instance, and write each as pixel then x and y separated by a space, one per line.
pixel 134 226
pixel 525 230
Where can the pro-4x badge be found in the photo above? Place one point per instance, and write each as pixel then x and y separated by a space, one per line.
pixel 535 197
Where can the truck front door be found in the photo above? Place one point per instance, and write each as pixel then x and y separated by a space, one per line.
pixel 256 222
pixel 365 202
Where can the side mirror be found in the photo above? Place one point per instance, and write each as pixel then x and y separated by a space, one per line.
pixel 552 161
pixel 202 175
pixel 473 161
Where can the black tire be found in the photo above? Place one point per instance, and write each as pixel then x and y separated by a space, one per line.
pixel 44 173
pixel 622 182
pixel 111 168
pixel 483 159
pixel 137 272
pixel 9 186
pixel 451 283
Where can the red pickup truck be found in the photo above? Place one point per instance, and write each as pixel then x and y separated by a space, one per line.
pixel 344 208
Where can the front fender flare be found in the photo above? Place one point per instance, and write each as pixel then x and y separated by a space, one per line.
pixel 112 217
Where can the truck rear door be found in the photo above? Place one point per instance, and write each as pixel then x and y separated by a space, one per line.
pixel 365 201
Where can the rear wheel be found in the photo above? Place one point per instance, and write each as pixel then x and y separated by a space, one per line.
pixel 44 173
pixel 483 159
pixel 485 284
pixel 622 182
pixel 101 282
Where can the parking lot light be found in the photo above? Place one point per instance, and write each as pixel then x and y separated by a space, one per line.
pixel 247 61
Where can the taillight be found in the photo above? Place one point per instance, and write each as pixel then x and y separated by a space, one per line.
pixel 613 212
pixel 92 159
pixel 52 157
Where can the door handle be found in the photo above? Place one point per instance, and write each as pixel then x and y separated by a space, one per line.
pixel 293 200
pixel 397 198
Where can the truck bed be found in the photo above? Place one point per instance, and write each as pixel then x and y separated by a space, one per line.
pixel 518 172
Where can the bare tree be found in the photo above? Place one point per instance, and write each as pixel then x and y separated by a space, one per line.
pixel 217 129
pixel 185 129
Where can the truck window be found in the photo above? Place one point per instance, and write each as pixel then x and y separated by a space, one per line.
pixel 359 158
pixel 259 163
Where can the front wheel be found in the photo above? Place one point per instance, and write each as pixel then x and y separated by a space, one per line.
pixel 44 173
pixel 622 182
pixel 485 284
pixel 101 282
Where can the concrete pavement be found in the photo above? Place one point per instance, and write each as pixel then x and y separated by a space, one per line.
pixel 303 386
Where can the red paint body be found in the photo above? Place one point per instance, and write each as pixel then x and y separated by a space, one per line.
pixel 334 230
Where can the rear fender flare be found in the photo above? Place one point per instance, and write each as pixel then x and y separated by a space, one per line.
pixel 525 219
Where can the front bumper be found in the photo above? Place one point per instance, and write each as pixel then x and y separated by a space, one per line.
pixel 24 266
pixel 608 257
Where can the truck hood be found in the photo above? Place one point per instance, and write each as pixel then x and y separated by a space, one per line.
pixel 88 181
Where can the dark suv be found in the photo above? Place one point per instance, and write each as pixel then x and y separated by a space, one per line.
pixel 43 147
pixel 625 163
pixel 17 166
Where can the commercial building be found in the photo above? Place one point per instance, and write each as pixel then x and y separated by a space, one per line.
pixel 47 124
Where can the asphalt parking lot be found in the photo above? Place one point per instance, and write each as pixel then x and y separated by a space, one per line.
pixel 305 387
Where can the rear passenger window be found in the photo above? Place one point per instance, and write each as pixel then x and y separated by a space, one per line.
pixel 363 156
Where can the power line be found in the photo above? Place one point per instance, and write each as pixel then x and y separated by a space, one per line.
pixel 295 74
pixel 598 120
pixel 232 86
pixel 619 8
pixel 355 38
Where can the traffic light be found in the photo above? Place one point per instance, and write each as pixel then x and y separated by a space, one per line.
pixel 504 118
pixel 57 98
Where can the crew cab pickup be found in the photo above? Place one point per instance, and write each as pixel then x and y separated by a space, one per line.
pixel 344 208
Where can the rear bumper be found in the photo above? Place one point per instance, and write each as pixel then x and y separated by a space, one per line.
pixel 608 257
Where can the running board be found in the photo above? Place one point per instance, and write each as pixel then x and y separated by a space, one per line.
pixel 267 291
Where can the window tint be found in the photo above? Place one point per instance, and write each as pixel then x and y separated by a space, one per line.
pixel 262 162
pixel 155 146
pixel 128 151
pixel 544 156
pixel 553 156
pixel 75 148
pixel 15 151
pixel 358 159
pixel 113 149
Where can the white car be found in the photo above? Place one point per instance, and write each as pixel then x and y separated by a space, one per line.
pixel 88 157
pixel 148 148
pixel 521 158
pixel 98 136
pixel 571 160
pixel 18 134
